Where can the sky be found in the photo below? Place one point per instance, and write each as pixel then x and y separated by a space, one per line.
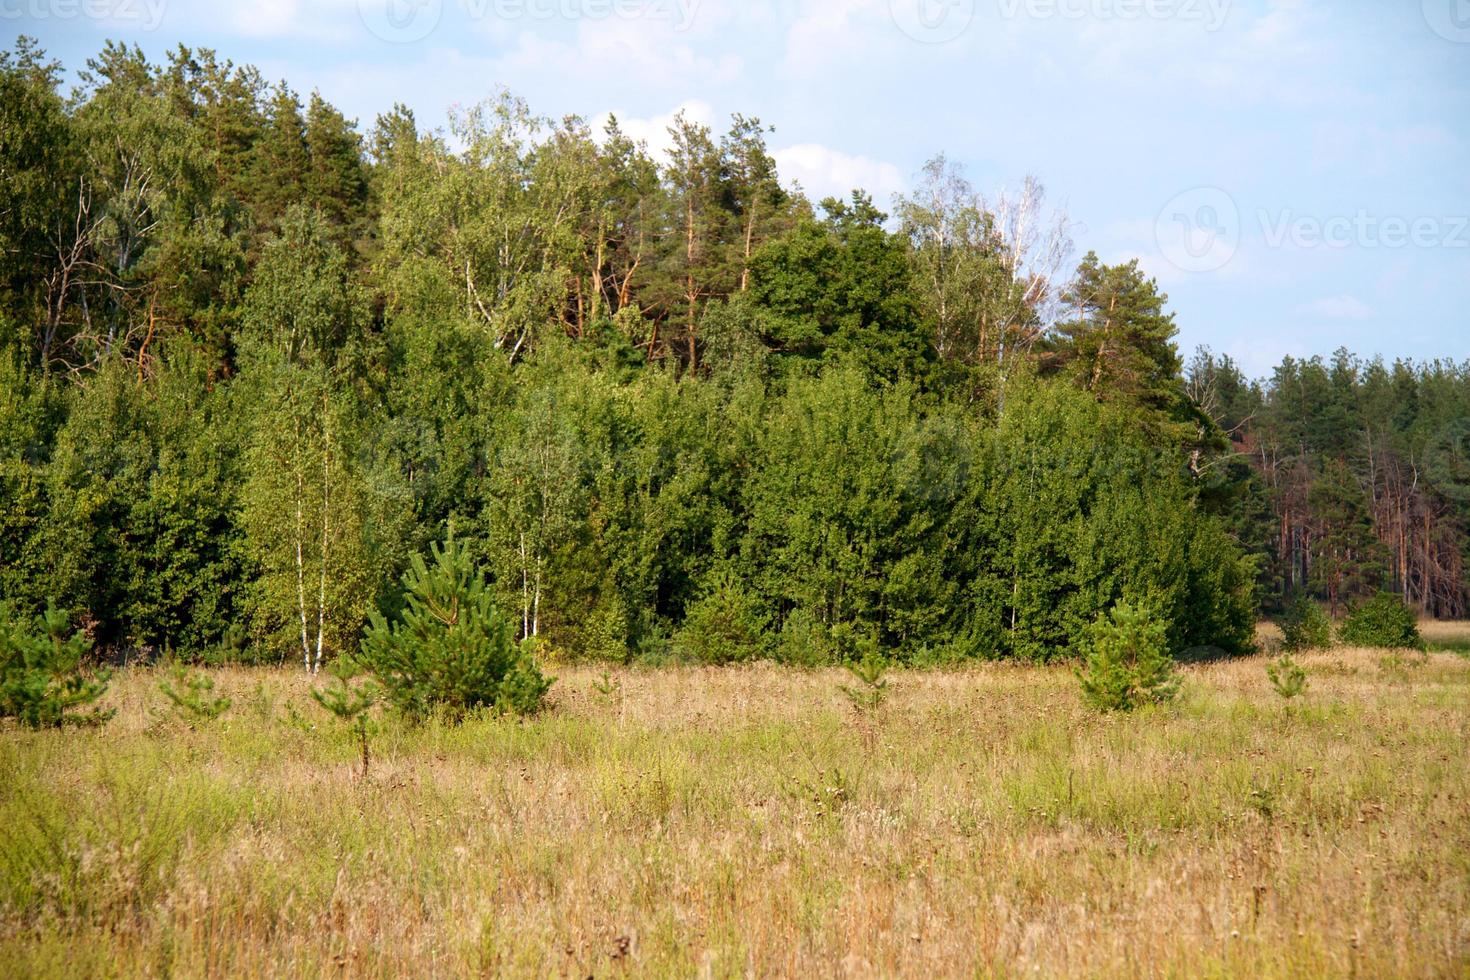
pixel 1294 173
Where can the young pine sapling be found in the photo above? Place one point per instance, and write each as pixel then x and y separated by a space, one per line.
pixel 192 695
pixel 1287 677
pixel 350 703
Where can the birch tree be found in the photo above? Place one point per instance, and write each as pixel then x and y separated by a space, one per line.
pixel 304 505
pixel 534 509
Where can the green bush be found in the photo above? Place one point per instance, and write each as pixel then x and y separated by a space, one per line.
pixel 1306 627
pixel 42 683
pixel 450 648
pixel 1128 663
pixel 1382 621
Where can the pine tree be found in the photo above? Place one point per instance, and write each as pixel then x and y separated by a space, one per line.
pixel 42 680
pixel 1128 663
pixel 336 181
pixel 282 164
pixel 450 648
pixel 1119 346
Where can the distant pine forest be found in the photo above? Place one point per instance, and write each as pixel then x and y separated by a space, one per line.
pixel 254 358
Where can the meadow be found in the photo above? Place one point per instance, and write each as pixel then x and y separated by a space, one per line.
pixel 751 821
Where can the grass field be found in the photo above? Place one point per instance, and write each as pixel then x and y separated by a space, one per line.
pixel 745 821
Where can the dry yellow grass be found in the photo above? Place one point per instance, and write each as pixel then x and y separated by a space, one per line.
pixel 740 821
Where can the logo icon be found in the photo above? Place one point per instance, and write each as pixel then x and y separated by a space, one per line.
pixel 1199 230
pixel 400 21
pixel 1450 19
pixel 933 21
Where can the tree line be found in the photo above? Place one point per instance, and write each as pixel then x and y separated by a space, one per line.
pixel 252 361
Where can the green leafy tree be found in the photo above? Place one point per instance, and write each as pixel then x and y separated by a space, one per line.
pixel 536 502
pixel 319 531
pixel 845 507
pixel 842 290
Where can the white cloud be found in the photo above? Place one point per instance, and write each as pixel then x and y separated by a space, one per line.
pixel 1342 307
pixel 828 31
pixel 824 172
pixel 328 20
pixel 654 131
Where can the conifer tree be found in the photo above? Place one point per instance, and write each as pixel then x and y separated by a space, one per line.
pixel 451 648
pixel 42 680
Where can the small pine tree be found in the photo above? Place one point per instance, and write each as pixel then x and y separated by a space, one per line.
pixel 872 687
pixel 451 648
pixel 1287 676
pixel 1128 663
pixel 1306 627
pixel 725 625
pixel 1382 621
pixel 42 683
pixel 191 694
pixel 349 703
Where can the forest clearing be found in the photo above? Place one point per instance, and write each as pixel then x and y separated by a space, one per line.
pixel 446 537
pixel 750 820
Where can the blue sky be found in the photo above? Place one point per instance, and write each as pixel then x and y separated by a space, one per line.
pixel 1296 173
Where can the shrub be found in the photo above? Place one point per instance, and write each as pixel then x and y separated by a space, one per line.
pixel 1382 621
pixel 1286 676
pixel 42 683
pixel 1306 627
pixel 450 648
pixel 1128 662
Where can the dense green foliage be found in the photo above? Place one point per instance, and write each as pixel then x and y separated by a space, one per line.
pixel 1306 626
pixel 449 648
pixel 1382 621
pixel 43 682
pixel 252 361
pixel 1128 663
